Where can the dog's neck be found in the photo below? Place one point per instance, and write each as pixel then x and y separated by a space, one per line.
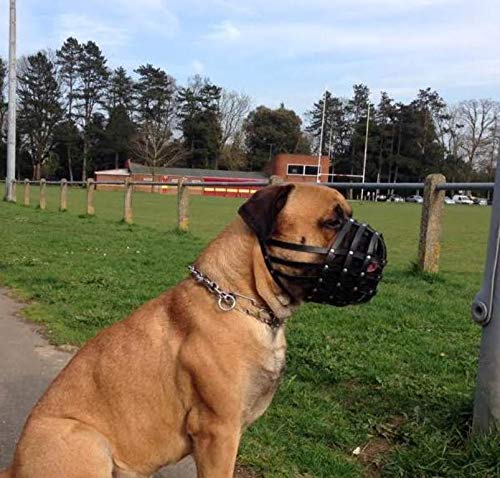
pixel 234 260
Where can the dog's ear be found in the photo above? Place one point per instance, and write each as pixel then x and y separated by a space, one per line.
pixel 261 210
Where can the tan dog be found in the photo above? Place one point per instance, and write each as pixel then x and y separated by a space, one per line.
pixel 180 375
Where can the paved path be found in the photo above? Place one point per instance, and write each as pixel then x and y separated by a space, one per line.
pixel 27 364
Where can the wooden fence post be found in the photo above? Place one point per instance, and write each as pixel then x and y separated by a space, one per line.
pixel 90 197
pixel 26 192
pixel 43 195
pixel 128 213
pixel 182 206
pixel 429 247
pixel 63 197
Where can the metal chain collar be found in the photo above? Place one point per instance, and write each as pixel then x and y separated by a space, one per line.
pixel 227 301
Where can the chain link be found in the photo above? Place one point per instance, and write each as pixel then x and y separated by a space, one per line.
pixel 227 300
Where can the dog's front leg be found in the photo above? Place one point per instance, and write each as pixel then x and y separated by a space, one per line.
pixel 215 444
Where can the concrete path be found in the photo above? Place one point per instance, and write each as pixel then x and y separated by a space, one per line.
pixel 27 365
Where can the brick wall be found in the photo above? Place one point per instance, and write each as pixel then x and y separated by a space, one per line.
pixel 300 168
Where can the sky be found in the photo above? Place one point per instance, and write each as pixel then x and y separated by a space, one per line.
pixel 285 50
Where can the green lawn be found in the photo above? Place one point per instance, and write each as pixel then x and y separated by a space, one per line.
pixel 394 377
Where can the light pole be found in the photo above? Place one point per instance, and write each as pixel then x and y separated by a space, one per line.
pixel 11 115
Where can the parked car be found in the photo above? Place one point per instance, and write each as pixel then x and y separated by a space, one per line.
pixel 381 198
pixel 462 199
pixel 480 201
pixel 448 200
pixel 415 198
pixel 395 198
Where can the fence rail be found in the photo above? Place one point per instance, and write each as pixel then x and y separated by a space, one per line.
pixel 433 189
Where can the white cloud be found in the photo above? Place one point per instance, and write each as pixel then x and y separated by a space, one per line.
pixel 86 28
pixel 198 67
pixel 313 40
pixel 146 15
pixel 225 32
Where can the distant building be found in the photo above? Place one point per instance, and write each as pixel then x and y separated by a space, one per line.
pixel 297 168
pixel 144 174
pixel 300 168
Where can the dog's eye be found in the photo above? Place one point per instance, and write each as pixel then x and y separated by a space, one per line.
pixel 332 224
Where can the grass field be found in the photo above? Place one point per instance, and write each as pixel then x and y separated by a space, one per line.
pixel 394 377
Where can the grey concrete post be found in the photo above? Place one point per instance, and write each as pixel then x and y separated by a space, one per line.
pixel 13 186
pixel 43 195
pixel 486 311
pixel 63 196
pixel 90 197
pixel 429 247
pixel 276 180
pixel 128 213
pixel 26 192
pixel 182 206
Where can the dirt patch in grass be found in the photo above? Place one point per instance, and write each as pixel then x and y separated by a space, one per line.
pixel 242 472
pixel 373 453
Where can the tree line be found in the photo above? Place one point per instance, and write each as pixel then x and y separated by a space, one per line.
pixel 408 141
pixel 76 115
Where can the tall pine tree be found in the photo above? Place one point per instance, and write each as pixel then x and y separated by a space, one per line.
pixel 40 108
pixel 68 58
pixel 156 104
pixel 90 94
pixel 200 122
pixel 121 91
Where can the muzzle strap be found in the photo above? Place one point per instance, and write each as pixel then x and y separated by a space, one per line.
pixel 348 271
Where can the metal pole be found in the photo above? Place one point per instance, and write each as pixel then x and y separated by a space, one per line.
pixel 366 148
pixel 318 177
pixel 11 116
pixel 486 312
pixel 330 178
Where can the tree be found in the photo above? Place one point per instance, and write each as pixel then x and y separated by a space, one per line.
pixel 336 134
pixel 119 132
pixel 431 108
pixel 68 58
pixel 154 143
pixel 270 132
pixel 315 116
pixel 385 121
pixel 357 109
pixel 93 77
pixel 121 91
pixel 200 122
pixel 233 109
pixel 480 123
pixel 68 145
pixel 98 153
pixel 40 108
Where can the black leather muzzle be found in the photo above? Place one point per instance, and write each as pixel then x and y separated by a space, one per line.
pixel 347 272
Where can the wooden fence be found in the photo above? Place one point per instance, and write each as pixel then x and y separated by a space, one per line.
pixel 433 188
